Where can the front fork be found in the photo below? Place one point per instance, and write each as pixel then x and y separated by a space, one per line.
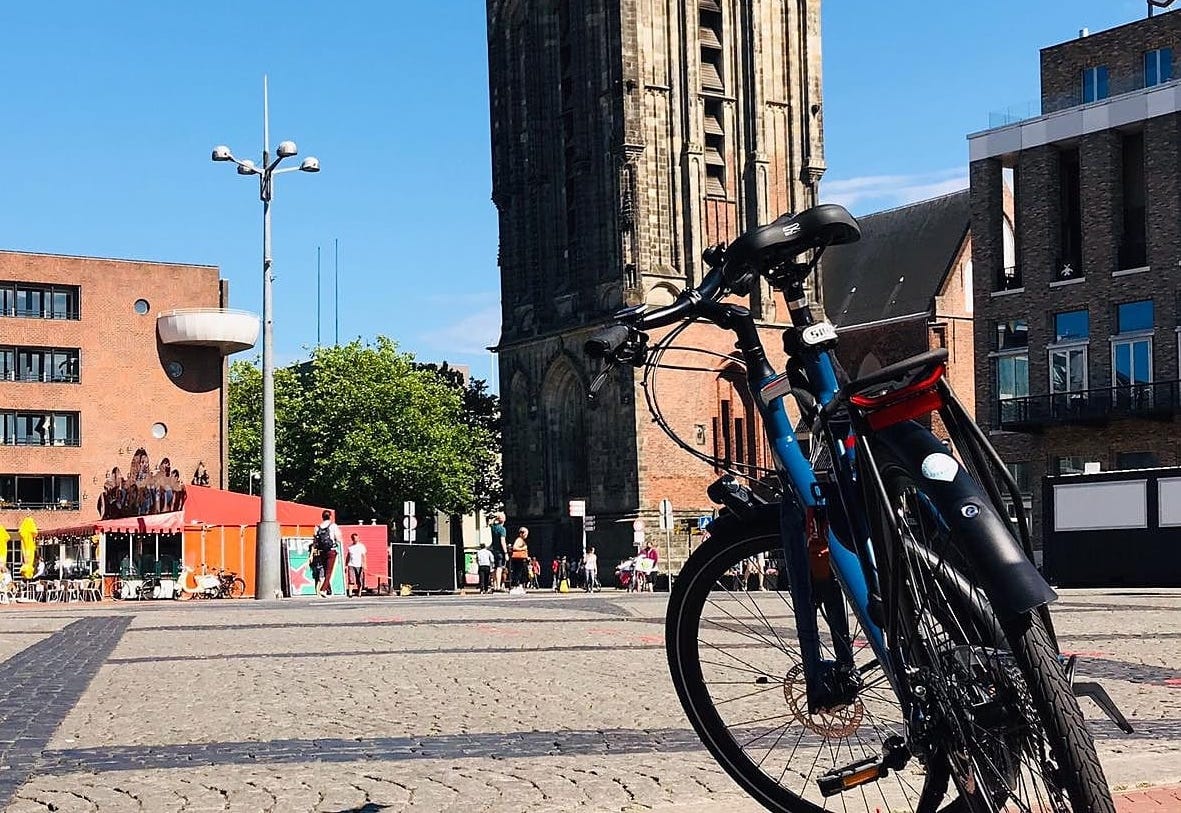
pixel 814 590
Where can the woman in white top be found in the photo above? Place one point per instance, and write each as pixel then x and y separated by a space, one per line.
pixel 590 564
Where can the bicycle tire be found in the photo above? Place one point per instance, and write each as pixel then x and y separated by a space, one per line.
pixel 237 587
pixel 731 542
pixel 1078 772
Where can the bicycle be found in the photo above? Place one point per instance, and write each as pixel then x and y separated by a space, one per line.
pixel 905 649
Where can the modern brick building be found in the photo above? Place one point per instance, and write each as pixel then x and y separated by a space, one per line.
pixel 626 138
pixel 1077 293
pixel 905 288
pixel 100 358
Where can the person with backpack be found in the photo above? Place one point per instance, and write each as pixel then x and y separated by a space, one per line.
pixel 326 542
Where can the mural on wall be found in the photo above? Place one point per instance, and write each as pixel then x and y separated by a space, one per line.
pixel 141 490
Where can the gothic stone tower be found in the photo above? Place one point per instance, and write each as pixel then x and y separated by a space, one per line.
pixel 627 136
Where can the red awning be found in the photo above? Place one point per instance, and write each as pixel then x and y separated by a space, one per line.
pixel 173 522
pixel 203 506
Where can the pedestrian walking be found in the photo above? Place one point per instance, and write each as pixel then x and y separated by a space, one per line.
pixel 554 573
pixel 326 542
pixel 356 564
pixel 534 573
pixel 499 551
pixel 485 561
pixel 563 575
pixel 520 561
pixel 590 570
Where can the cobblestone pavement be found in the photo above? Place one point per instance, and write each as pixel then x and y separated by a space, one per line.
pixel 543 703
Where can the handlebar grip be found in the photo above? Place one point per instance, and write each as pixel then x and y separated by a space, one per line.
pixel 607 341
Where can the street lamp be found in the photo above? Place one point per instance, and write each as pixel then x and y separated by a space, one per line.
pixel 267 551
pixel 254 477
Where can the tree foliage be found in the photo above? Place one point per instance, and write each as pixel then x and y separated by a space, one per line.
pixel 362 428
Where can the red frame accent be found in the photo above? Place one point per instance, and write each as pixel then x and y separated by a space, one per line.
pixel 911 401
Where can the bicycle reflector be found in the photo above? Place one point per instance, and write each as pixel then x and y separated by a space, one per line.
pixel 919 397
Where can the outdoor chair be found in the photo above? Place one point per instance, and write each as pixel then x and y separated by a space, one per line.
pixel 92 590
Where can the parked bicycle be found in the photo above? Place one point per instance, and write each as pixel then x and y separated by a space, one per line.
pixel 905 654
pixel 220 584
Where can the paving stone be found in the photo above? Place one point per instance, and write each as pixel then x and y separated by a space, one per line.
pixel 467 704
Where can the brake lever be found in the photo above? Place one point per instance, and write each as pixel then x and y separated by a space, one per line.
pixel 601 379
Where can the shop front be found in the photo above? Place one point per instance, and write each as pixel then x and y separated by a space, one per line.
pixel 165 555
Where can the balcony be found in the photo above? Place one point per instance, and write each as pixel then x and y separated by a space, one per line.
pixel 1022 128
pixel 1159 400
pixel 230 331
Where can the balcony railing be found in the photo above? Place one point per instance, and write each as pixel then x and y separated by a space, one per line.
pixel 25 505
pixel 43 377
pixel 1160 399
pixel 21 312
pixel 36 441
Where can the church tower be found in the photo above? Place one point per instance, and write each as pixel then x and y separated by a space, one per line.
pixel 627 136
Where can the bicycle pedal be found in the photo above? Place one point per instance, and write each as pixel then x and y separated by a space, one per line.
pixel 871 769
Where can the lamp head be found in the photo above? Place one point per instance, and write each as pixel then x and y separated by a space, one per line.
pixel 222 153
pixel 310 164
pixel 286 149
pixel 246 167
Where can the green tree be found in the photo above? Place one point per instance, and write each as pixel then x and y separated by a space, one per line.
pixel 362 428
pixel 481 410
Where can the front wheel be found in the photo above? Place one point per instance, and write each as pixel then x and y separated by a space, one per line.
pixel 237 588
pixel 736 665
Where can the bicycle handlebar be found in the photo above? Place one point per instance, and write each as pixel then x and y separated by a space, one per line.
pixel 611 340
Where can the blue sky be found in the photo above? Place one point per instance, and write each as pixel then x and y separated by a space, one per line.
pixel 111 109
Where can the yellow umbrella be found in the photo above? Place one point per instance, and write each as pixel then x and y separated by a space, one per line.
pixel 28 535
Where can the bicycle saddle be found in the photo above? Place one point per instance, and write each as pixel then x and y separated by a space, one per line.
pixel 789 235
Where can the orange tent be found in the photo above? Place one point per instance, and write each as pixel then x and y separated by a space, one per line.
pixel 217 529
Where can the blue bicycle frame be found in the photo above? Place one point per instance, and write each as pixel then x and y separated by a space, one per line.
pixel 797 474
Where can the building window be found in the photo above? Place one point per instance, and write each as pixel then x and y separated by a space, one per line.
pixel 709 32
pixel 1021 474
pixel 31 492
pixel 40 428
pixel 1012 335
pixel 1012 376
pixel 1068 370
pixel 1131 353
pixel 1131 317
pixel 1158 66
pixel 1068 365
pixel 1010 273
pixel 1072 326
pixel 715 149
pixel 55 365
pixel 1069 465
pixel 1012 386
pixel 1133 248
pixel 39 301
pixel 1094 83
pixel 1069 264
pixel 1136 460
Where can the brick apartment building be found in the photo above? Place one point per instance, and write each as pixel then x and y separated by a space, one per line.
pixel 99 358
pixel 1077 293
pixel 905 288
pixel 626 138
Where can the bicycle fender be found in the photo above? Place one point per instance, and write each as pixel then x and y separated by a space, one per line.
pixel 1011 582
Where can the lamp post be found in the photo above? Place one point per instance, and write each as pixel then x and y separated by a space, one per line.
pixel 267 549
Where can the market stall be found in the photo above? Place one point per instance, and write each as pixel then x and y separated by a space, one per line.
pixel 162 553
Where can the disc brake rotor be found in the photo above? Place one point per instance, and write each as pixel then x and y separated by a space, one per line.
pixel 836 723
